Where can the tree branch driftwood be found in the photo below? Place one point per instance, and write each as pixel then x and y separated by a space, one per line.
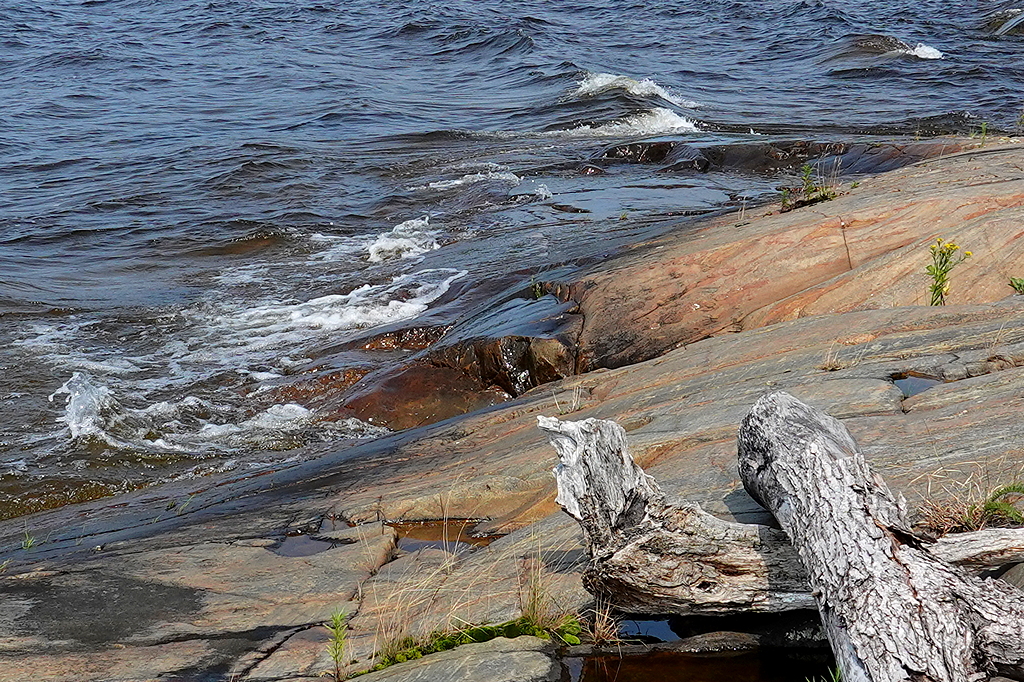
pixel 893 610
pixel 650 554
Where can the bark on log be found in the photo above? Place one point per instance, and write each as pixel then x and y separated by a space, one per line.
pixel 650 554
pixel 893 610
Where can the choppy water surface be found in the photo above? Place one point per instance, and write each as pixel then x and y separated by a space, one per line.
pixel 198 197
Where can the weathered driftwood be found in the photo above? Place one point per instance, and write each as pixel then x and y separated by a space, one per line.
pixel 892 609
pixel 652 555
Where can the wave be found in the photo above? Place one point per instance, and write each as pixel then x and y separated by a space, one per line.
pixel 191 426
pixel 655 122
pixel 277 324
pixel 405 240
pixel 890 46
pixel 473 178
pixel 596 83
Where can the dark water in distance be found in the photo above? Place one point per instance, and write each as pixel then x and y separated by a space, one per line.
pixel 196 196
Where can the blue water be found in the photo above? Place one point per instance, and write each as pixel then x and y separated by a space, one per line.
pixel 198 197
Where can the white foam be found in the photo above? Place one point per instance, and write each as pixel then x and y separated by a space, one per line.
pixel 596 83
pixel 922 51
pixel 276 324
pixel 472 178
pixel 405 240
pixel 339 247
pixel 542 192
pixel 85 406
pixel 655 122
pixel 192 425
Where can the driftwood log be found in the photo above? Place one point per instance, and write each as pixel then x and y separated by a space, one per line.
pixel 650 554
pixel 893 610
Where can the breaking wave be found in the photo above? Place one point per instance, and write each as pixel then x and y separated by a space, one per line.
pixel 656 122
pixel 472 178
pixel 890 46
pixel 192 426
pixel 405 240
pixel 596 83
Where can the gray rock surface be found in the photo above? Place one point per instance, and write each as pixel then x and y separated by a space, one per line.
pixel 1015 576
pixel 523 659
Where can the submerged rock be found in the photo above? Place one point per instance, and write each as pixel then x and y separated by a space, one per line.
pixel 417 394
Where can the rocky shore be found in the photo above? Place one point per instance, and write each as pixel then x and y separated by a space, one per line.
pixel 674 339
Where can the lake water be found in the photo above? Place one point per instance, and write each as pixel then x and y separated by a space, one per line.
pixel 198 198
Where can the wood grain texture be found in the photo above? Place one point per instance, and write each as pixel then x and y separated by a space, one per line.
pixel 894 611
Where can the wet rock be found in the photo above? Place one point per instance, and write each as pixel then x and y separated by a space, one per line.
pixel 494 355
pixel 782 156
pixel 417 394
pixel 518 345
pixel 411 338
pixel 768 157
pixel 568 208
pixel 314 390
pixel 640 152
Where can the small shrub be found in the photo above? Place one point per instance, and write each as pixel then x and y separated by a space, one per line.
pixel 812 190
pixel 1018 284
pixel 338 629
pixel 945 257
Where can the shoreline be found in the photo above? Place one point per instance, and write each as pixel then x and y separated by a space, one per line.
pixel 823 301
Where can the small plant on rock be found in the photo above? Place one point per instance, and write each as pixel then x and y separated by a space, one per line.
pixel 813 189
pixel 1018 284
pixel 338 629
pixel 945 257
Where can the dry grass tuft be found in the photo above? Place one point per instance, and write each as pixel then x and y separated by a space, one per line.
pixel 831 361
pixel 602 625
pixel 973 502
pixel 999 507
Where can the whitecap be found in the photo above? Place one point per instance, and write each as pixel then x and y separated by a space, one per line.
pixel 656 122
pixel 86 407
pixel 472 178
pixel 339 247
pixel 542 192
pixel 277 324
pixel 405 240
pixel 596 83
pixel 922 51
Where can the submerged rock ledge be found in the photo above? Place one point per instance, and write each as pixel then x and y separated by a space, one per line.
pixel 190 582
